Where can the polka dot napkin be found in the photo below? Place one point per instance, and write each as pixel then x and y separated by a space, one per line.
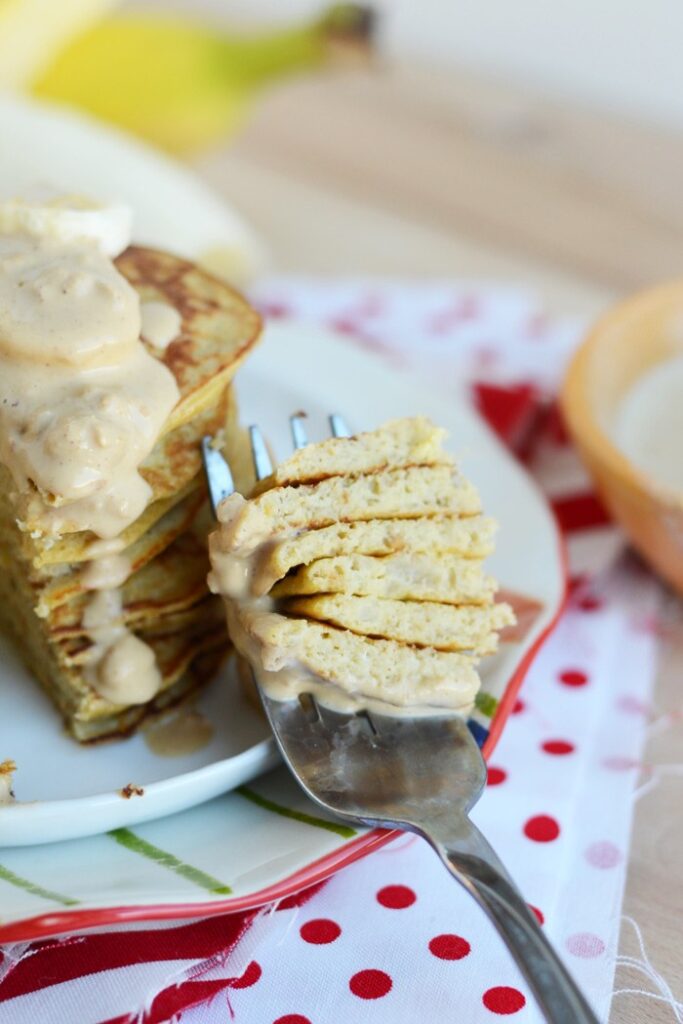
pixel 392 938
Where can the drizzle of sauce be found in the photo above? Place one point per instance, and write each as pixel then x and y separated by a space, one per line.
pixel 106 572
pixel 82 403
pixel 122 668
pixel 161 323
pixel 125 672
pixel 100 548
pixel 103 616
pixel 179 734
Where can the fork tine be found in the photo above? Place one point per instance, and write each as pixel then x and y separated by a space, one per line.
pixel 259 453
pixel 218 476
pixel 298 428
pixel 339 426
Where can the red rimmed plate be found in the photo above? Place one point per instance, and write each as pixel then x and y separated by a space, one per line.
pixel 262 841
pixel 74 852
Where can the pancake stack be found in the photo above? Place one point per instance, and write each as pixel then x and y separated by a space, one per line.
pixel 44 585
pixel 359 565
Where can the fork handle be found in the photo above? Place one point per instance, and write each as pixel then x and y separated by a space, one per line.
pixel 472 861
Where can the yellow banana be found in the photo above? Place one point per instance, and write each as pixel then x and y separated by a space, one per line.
pixel 179 83
pixel 33 31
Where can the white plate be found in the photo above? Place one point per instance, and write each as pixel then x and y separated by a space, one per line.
pixel 239 849
pixel 45 144
pixel 66 791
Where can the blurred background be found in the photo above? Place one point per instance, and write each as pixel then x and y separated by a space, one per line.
pixel 529 141
pixel 623 56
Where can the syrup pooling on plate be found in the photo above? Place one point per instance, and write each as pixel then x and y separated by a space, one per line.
pixel 82 403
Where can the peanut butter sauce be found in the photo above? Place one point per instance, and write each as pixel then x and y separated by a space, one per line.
pixel 82 403
pixel 160 323
pixel 183 732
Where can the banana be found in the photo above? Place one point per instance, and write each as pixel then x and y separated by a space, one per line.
pixel 69 219
pixel 179 83
pixel 33 31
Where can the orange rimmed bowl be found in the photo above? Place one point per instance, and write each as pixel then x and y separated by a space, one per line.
pixel 629 340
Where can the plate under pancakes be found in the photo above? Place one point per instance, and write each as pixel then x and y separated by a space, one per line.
pixel 165 599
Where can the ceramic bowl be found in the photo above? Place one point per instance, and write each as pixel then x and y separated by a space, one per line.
pixel 629 340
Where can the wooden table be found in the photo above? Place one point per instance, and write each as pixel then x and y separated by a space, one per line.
pixel 405 171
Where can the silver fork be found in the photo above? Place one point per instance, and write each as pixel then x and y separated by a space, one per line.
pixel 420 775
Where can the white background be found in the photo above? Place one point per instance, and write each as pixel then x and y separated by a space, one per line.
pixel 623 55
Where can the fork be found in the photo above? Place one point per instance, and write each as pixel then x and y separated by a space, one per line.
pixel 420 775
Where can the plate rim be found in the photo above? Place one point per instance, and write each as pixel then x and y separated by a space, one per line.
pixel 57 922
pixel 43 926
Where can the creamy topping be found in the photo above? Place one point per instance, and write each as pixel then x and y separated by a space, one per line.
pixel 294 678
pixel 106 572
pixel 240 572
pixel 121 667
pixel 64 304
pixel 127 672
pixel 649 424
pixel 103 619
pixel 70 219
pixel 160 323
pixel 82 402
pixel 232 575
pixel 100 548
pixel 180 734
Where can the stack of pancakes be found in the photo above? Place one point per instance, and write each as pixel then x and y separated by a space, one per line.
pixel 165 599
pixel 371 550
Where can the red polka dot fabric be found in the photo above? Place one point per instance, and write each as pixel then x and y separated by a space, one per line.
pixel 392 939
pixel 557 804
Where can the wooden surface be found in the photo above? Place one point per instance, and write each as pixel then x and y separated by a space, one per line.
pixel 401 171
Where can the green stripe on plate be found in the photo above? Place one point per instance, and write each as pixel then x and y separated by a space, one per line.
pixel 36 890
pixel 288 812
pixel 135 844
pixel 486 703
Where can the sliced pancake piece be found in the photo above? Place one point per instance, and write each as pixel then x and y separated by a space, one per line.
pixel 218 326
pixel 444 627
pixel 411 441
pixel 172 470
pixel 469 538
pixel 435 577
pixel 77 650
pixel 46 552
pixel 174 581
pixel 297 656
pixel 389 494
pixel 177 617
pixel 87 715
